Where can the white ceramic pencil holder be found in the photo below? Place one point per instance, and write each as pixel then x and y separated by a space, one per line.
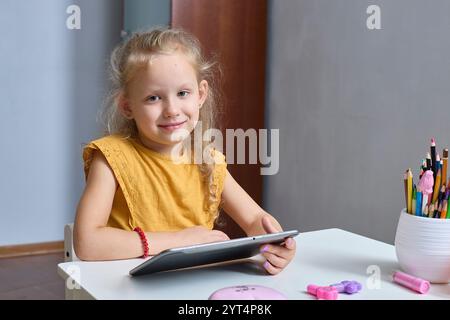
pixel 422 246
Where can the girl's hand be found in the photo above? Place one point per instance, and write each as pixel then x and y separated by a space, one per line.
pixel 198 235
pixel 277 256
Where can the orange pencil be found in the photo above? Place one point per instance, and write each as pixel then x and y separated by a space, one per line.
pixel 437 184
pixel 405 183
pixel 444 210
pixel 444 166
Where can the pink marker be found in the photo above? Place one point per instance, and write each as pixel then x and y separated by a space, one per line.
pixel 414 283
pixel 323 293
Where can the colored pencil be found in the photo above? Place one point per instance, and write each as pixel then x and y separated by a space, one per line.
pixel 418 202
pixel 410 177
pixel 433 156
pixel 428 159
pixel 431 210
pixel 424 201
pixel 437 183
pixel 441 194
pixel 444 166
pixel 405 183
pixel 444 210
pixel 448 211
pixel 422 168
pixel 438 162
pixel 414 200
pixel 437 211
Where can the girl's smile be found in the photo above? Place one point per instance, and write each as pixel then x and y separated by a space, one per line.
pixel 172 126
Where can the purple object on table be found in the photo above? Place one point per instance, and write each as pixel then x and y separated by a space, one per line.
pixel 349 287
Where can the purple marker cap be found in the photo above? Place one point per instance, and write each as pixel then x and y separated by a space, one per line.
pixel 351 288
pixel 355 286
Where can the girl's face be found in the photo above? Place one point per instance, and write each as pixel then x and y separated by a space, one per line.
pixel 164 99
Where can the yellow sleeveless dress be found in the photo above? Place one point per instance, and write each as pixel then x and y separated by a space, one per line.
pixel 154 192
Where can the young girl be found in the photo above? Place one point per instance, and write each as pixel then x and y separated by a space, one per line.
pixel 143 192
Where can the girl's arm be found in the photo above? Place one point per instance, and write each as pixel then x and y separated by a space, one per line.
pixel 243 209
pixel 254 220
pixel 93 240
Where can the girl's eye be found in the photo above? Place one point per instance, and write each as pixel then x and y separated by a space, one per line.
pixel 183 93
pixel 152 98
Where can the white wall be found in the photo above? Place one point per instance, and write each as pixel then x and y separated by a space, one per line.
pixel 355 108
pixel 52 82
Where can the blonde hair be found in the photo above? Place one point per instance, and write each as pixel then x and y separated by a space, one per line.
pixel 135 53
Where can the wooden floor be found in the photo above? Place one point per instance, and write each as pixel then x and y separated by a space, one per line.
pixel 31 277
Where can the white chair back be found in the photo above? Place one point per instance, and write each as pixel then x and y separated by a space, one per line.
pixel 69 252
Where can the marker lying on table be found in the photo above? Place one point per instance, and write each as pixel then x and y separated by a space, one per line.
pixel 349 287
pixel 323 293
pixel 411 282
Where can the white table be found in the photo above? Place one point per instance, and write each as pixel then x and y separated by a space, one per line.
pixel 323 258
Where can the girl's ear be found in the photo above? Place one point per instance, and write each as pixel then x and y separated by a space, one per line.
pixel 203 88
pixel 124 106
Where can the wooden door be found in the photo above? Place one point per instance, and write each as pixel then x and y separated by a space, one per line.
pixel 235 31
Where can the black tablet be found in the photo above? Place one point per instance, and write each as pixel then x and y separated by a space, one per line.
pixel 202 254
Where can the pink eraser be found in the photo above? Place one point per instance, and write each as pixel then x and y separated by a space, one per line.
pixel 426 182
pixel 323 293
pixel 247 292
pixel 411 282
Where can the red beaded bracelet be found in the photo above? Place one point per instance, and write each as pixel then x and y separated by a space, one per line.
pixel 143 240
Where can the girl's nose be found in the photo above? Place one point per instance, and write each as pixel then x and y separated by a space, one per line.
pixel 171 109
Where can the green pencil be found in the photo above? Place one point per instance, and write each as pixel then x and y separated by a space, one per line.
pixel 413 202
pixel 448 212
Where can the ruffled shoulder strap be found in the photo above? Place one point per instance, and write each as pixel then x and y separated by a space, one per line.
pixel 119 153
